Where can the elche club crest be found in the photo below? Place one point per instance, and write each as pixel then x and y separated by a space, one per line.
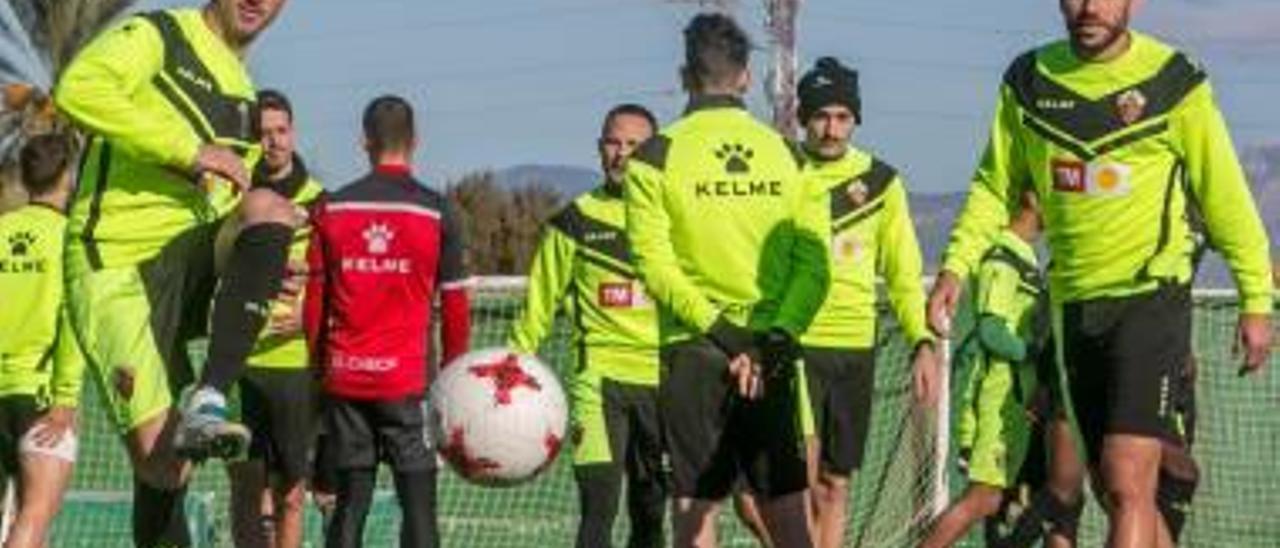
pixel 857 192
pixel 1131 105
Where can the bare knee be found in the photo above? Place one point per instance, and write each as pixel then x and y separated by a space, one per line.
pixel 261 206
pixel 831 488
pixel 291 498
pixel 983 500
pixel 1130 466
pixel 154 461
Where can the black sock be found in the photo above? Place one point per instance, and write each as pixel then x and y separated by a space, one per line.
pixel 599 486
pixel 417 493
pixel 1044 509
pixel 159 517
pixel 253 276
pixel 355 496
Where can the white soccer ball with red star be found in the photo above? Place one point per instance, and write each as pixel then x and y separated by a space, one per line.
pixel 498 416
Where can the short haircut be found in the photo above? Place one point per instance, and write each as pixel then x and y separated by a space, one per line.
pixel 270 99
pixel 629 109
pixel 44 160
pixel 716 49
pixel 388 123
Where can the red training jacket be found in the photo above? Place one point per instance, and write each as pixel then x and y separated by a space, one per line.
pixel 380 250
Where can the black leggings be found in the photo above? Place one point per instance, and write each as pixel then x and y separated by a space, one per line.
pixel 416 491
pixel 599 487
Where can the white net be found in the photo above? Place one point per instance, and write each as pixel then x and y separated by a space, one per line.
pixel 1239 440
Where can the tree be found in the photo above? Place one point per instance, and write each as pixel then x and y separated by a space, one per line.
pixel 500 225
pixel 37 39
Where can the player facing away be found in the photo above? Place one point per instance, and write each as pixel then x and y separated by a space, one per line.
pixel 1119 136
pixel 382 249
pixel 871 236
pixel 584 262
pixel 719 220
pixel 277 393
pixel 993 428
pixel 167 103
pixel 41 365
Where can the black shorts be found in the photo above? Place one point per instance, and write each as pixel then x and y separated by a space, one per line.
pixel 1123 357
pixel 17 415
pixel 840 383
pixel 623 432
pixel 713 436
pixel 360 434
pixel 278 406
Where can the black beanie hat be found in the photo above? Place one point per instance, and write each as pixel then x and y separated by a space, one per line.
pixel 829 83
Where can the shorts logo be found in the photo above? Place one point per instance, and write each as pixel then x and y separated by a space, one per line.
pixel 616 295
pixel 1068 176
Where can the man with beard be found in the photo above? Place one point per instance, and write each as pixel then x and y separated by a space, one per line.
pixel 1119 136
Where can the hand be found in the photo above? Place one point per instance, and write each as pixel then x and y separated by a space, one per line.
pixel 942 302
pixel 221 161
pixel 924 375
pixel 289 320
pixel 1253 336
pixel 49 429
pixel 745 374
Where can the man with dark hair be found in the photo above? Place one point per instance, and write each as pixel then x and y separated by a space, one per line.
pixel 1119 136
pixel 584 260
pixel 277 397
pixel 871 237
pixel 729 244
pixel 167 102
pixel 381 250
pixel 41 365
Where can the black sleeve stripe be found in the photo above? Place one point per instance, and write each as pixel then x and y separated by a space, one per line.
pixel 451 267
pixel 568 220
pixel 653 151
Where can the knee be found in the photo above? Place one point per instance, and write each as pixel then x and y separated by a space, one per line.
pixel 986 502
pixel 831 488
pixel 292 501
pixel 261 206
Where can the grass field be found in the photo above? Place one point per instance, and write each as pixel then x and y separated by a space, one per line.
pixel 1239 450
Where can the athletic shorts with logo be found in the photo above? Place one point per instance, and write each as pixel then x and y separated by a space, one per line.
pixel 1123 357
pixel 840 383
pixel 714 436
pixel 279 408
pixel 135 322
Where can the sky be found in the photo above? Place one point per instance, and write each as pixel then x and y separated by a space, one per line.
pixel 498 84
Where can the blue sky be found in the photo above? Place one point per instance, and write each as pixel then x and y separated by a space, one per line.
pixel 525 81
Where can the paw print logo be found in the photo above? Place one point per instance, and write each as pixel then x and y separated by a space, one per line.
pixel 20 243
pixel 378 238
pixel 735 157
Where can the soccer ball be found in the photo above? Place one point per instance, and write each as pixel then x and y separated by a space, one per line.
pixel 498 416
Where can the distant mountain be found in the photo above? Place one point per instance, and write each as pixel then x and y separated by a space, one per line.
pixel 935 213
pixel 569 180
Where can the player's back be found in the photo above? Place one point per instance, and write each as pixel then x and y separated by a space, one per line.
pixel 30 288
pixel 381 241
pixel 731 189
